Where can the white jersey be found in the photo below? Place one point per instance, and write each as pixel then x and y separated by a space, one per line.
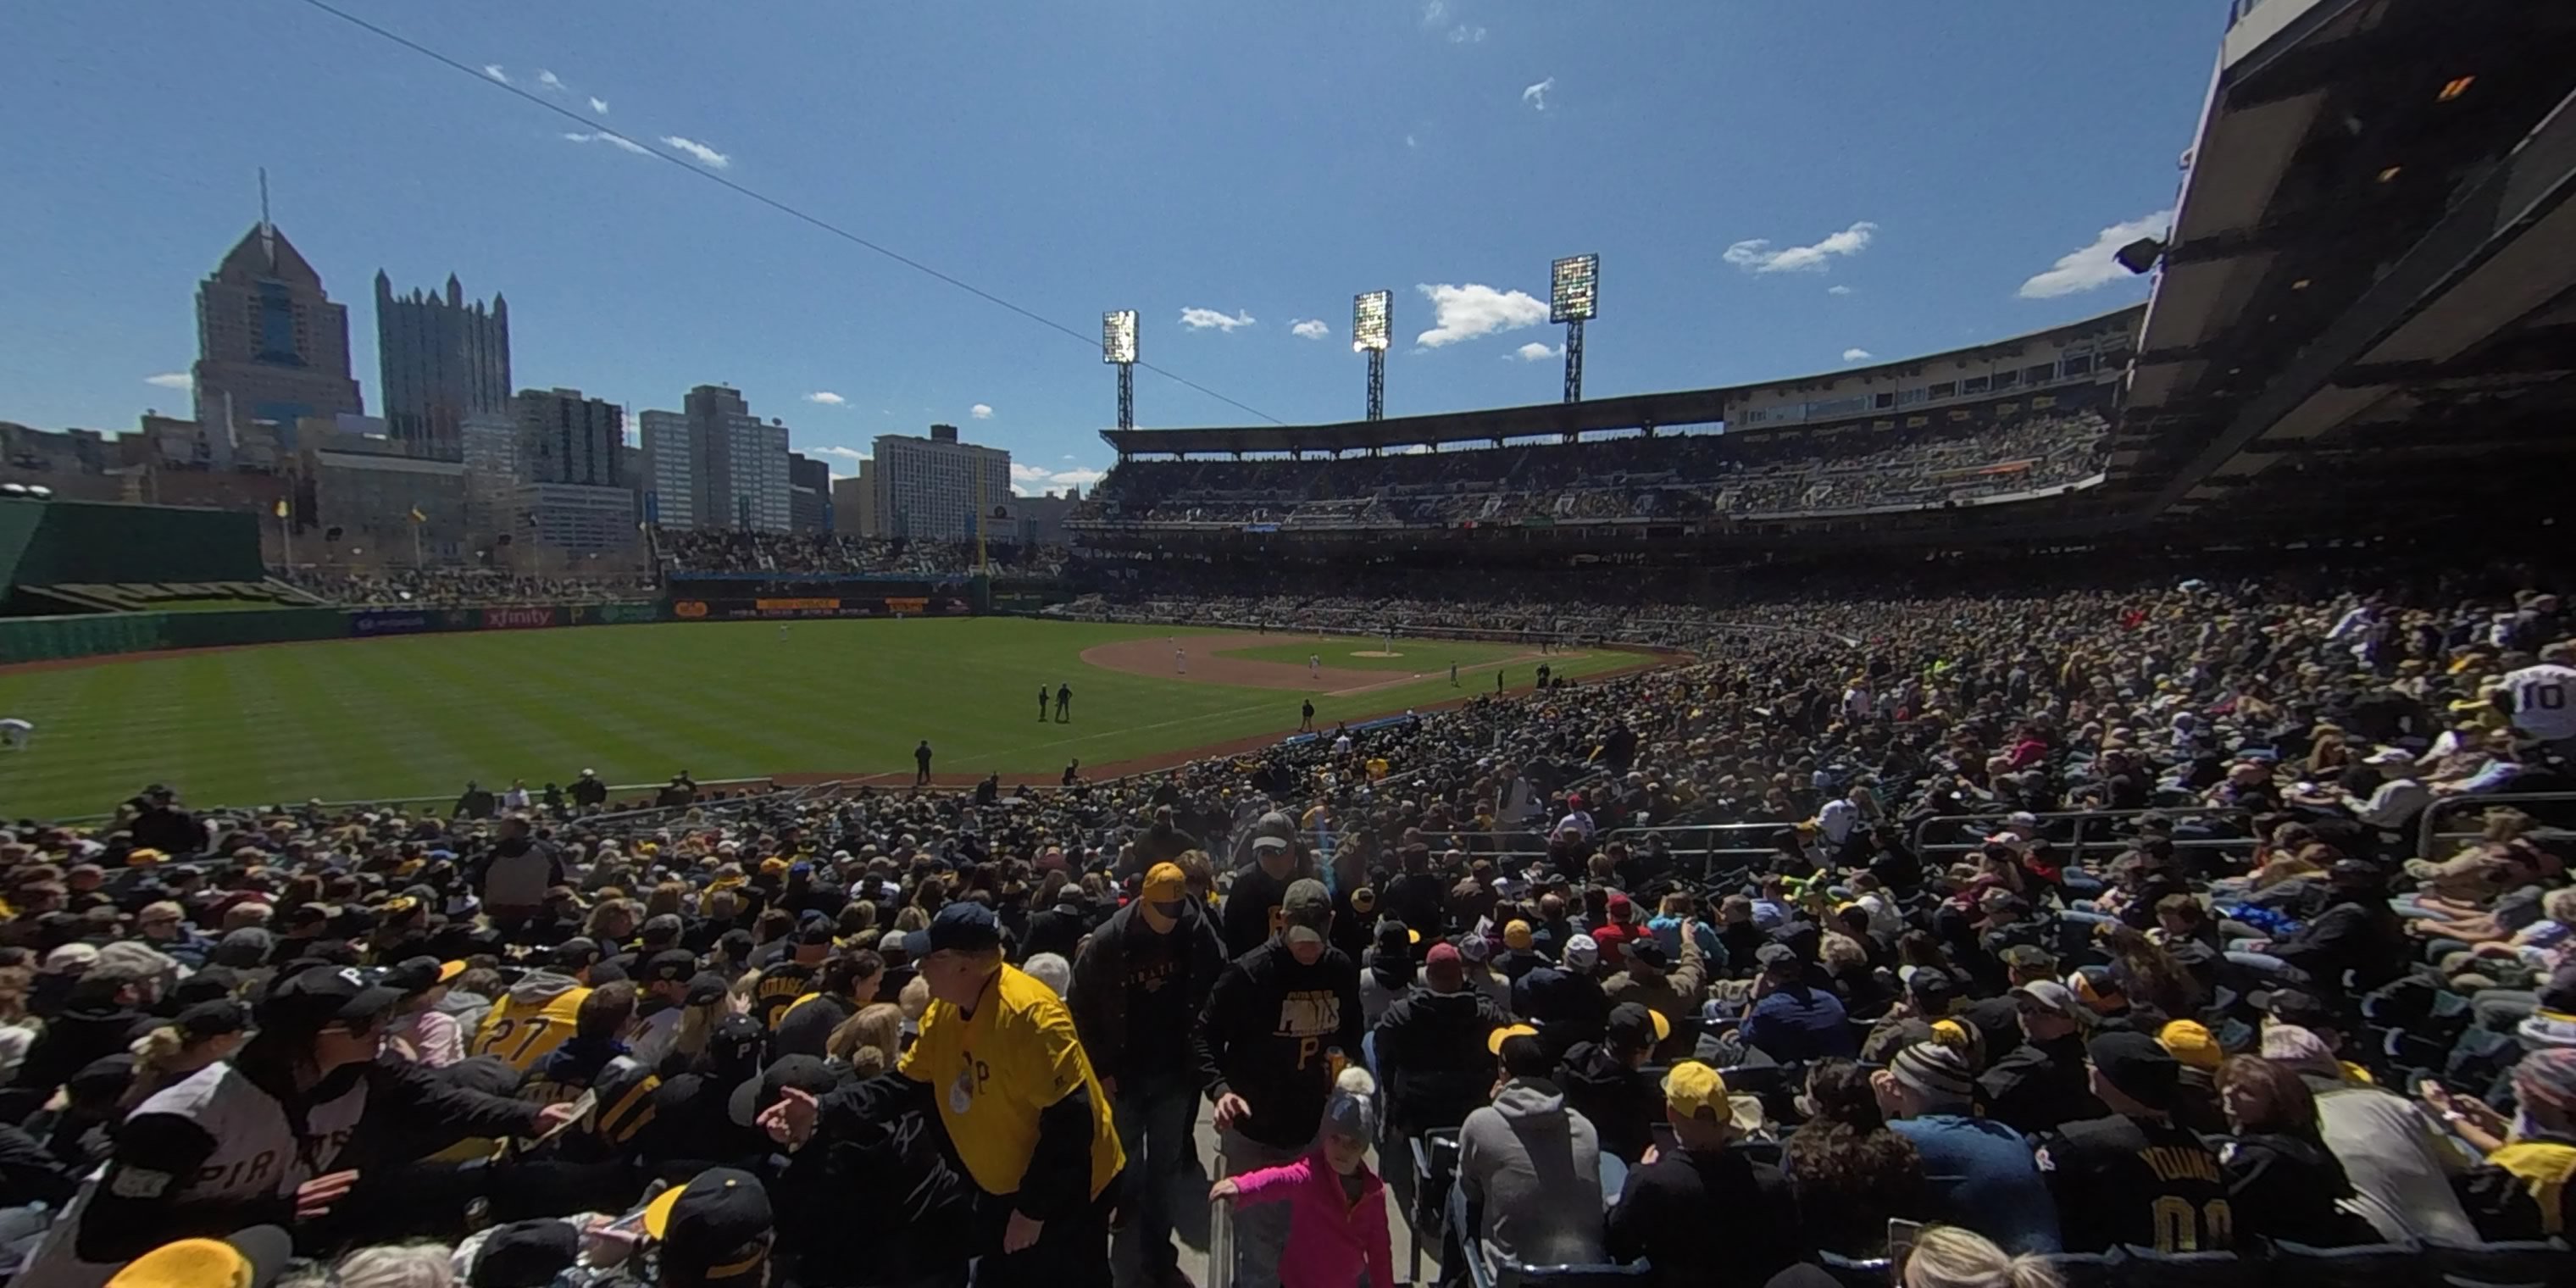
pixel 257 1154
pixel 2540 701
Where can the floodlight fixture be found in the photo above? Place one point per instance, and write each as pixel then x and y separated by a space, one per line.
pixel 1574 288
pixel 1372 317
pixel 1118 336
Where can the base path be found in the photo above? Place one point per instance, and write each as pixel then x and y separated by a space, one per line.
pixel 1208 665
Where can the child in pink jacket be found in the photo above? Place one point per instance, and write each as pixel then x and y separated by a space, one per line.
pixel 1337 1213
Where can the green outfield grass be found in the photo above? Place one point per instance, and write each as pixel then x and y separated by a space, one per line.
pixel 1423 656
pixel 419 715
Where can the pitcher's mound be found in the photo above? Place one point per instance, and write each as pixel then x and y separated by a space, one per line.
pixel 1374 652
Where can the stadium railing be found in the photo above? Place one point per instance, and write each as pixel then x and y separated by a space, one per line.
pixel 447 799
pixel 1712 856
pixel 2428 835
pixel 2093 830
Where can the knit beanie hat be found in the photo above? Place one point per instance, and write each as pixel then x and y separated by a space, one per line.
pixel 1936 1072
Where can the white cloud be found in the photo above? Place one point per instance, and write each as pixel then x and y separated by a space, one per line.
pixel 846 453
pixel 170 380
pixel 1465 312
pixel 613 140
pixel 827 398
pixel 1756 256
pixel 1411 142
pixel 1035 480
pixel 1857 355
pixel 599 105
pixel 494 71
pixel 706 155
pixel 1466 35
pixel 2092 267
pixel 1536 95
pixel 981 411
pixel 1202 319
pixel 550 80
pixel 1838 290
pixel 1310 329
pixel 1534 352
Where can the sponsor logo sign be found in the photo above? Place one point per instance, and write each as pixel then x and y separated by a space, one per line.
pixel 509 619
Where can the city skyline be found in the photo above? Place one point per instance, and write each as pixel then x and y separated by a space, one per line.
pixel 1770 189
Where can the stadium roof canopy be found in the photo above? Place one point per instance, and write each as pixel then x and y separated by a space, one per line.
pixel 1593 415
pixel 2372 270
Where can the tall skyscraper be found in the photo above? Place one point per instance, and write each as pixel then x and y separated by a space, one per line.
pixel 809 494
pixel 444 360
pixel 566 438
pixel 670 469
pixel 737 465
pixel 935 488
pixel 270 343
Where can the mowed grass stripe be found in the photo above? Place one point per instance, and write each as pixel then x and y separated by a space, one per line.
pixel 419 715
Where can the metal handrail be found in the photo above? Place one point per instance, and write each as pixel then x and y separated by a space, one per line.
pixel 2083 820
pixel 1711 852
pixel 366 802
pixel 2425 836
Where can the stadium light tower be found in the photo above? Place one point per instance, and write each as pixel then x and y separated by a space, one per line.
pixel 1574 285
pixel 1372 316
pixel 1118 348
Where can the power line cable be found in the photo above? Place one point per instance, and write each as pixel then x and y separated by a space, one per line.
pixel 590 126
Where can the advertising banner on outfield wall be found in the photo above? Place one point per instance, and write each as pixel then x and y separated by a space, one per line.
pixel 694 610
pixel 627 613
pixel 391 621
pixel 524 617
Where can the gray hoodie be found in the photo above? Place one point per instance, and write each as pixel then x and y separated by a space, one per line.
pixel 1535 1167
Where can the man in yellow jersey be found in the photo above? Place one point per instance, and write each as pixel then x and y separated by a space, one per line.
pixel 541 1011
pixel 999 1056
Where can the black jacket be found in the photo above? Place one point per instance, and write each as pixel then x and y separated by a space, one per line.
pixel 1057 930
pixel 1266 1034
pixel 1431 1051
pixel 1098 997
pixel 877 1176
pixel 2363 936
pixel 82 1033
pixel 1623 1104
pixel 1707 1220
pixel 2285 1188
pixel 1566 1006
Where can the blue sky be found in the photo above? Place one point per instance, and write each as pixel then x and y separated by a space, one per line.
pixel 1228 170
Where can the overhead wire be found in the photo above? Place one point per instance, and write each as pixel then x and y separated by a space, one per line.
pixel 642 148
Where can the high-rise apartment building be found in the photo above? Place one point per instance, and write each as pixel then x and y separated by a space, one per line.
pixel 567 438
pixel 443 360
pixel 489 445
pixel 670 469
pixel 763 498
pixel 270 343
pixel 854 509
pixel 737 466
pixel 809 494
pixel 933 488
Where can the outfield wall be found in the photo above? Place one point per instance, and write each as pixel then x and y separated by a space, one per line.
pixel 47 639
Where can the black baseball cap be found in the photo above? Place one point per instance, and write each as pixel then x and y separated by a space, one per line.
pixel 1650 953
pixel 736 1041
pixel 316 997
pixel 670 966
pixel 417 975
pixel 965 926
pixel 713 1230
pixel 574 954
pixel 525 1254
pixel 2137 1066
pixel 707 988
pixel 1307 907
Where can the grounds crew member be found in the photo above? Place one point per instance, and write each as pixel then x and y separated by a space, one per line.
pixel 1138 985
pixel 277 1135
pixel 999 1054
pixel 1279 1025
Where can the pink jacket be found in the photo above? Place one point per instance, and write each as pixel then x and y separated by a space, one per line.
pixel 1329 1241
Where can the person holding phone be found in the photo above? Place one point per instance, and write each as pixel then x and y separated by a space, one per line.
pixel 1702 1212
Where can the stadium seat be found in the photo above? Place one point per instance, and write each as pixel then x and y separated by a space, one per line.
pixel 1435 1164
pixel 1608 1275
pixel 2365 1265
pixel 1857 1272
pixel 2136 1267
pixel 2084 1269
pixel 2533 1264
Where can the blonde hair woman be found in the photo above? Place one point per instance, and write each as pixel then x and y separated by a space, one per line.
pixel 869 1041
pixel 612 922
pixel 1946 1256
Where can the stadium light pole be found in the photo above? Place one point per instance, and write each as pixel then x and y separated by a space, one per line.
pixel 1372 317
pixel 1118 348
pixel 1574 285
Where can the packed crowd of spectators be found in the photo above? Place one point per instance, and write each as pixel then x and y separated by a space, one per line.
pixel 726 550
pixel 1733 968
pixel 441 587
pixel 1671 477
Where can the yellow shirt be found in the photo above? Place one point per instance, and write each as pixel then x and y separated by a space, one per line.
pixel 524 1033
pixel 993 1072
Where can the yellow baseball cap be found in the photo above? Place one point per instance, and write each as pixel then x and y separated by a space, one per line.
pixel 1165 882
pixel 188 1263
pixel 2190 1042
pixel 1516 935
pixel 1693 1087
pixel 1494 1042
